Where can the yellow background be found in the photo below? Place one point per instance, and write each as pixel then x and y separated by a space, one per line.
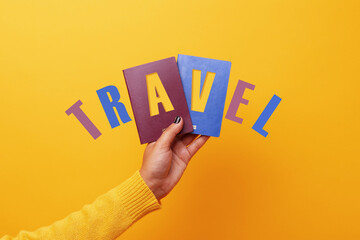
pixel 300 182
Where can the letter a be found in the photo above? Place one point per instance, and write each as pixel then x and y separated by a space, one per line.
pixel 157 94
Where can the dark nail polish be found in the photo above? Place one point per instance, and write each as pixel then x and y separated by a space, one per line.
pixel 177 119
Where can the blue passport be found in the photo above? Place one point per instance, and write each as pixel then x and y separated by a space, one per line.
pixel 205 82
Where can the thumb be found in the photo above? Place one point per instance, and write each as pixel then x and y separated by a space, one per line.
pixel 168 136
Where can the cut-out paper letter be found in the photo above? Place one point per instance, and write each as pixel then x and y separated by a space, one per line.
pixel 237 100
pixel 109 105
pixel 265 115
pixel 157 97
pixel 205 83
pixel 199 96
pixel 157 94
pixel 83 119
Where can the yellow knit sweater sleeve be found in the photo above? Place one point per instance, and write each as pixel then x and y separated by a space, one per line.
pixel 106 218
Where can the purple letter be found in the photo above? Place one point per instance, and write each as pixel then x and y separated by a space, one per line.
pixel 237 99
pixel 83 119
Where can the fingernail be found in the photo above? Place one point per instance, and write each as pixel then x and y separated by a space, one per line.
pixel 177 119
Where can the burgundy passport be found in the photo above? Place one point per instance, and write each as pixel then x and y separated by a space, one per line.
pixel 157 97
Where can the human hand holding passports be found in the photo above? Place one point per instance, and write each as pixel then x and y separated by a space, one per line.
pixel 165 160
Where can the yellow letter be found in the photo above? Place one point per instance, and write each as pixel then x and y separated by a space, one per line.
pixel 199 99
pixel 156 94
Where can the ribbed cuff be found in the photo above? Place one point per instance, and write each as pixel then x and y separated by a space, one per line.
pixel 137 198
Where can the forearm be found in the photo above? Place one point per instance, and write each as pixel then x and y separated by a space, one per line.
pixel 106 218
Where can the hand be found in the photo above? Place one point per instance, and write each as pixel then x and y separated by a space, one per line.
pixel 165 160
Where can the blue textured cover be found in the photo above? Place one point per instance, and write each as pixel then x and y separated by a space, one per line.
pixel 207 122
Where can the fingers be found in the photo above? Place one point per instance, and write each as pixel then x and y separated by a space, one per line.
pixel 168 136
pixel 197 144
pixel 188 138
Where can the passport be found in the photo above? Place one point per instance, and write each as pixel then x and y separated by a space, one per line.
pixel 205 83
pixel 157 97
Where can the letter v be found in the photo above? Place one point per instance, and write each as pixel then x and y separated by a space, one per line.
pixel 200 98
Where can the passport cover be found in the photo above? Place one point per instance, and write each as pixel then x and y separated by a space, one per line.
pixel 151 127
pixel 207 121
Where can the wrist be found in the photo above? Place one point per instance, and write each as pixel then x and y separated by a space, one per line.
pixel 151 184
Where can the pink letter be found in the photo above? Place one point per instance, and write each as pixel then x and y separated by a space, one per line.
pixel 237 99
pixel 83 119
